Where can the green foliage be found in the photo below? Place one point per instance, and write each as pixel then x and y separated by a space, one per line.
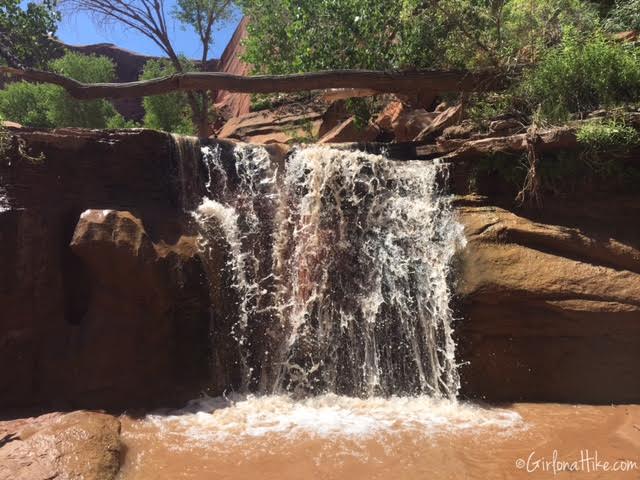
pixel 486 107
pixel 609 135
pixel 27 104
pixel 558 174
pixel 26 30
pixel 581 75
pixel 287 36
pixel 202 15
pixel 46 106
pixel 68 112
pixel 529 27
pixel 170 112
pixel 625 15
pixel 295 36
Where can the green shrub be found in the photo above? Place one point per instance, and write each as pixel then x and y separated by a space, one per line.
pixel 579 76
pixel 608 135
pixel 47 106
pixel 288 36
pixel 28 29
pixel 625 15
pixel 530 27
pixel 65 111
pixel 27 104
pixel 170 112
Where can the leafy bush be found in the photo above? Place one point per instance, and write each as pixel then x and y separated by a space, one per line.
pixel 46 106
pixel 625 15
pixel 579 76
pixel 65 111
pixel 26 103
pixel 529 27
pixel 170 112
pixel 608 135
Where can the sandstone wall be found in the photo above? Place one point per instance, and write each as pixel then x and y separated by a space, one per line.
pixel 550 300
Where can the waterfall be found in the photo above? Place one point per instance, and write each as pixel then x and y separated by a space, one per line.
pixel 187 151
pixel 341 267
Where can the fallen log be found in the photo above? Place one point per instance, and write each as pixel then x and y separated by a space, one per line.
pixel 562 138
pixel 436 81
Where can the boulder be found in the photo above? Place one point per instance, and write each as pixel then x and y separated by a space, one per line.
pixel 628 36
pixel 506 126
pixel 404 122
pixel 56 446
pixel 274 126
pixel 464 130
pixel 348 131
pixel 446 118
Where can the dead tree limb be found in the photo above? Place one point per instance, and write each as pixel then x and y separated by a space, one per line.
pixel 383 82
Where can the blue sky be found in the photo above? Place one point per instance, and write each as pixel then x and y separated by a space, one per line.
pixel 79 29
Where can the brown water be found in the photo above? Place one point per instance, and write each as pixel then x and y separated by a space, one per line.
pixel 333 437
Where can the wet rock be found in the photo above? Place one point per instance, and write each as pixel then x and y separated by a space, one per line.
pixel 78 445
pixel 108 309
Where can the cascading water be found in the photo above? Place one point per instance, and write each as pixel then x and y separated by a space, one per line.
pixel 362 263
pixel 239 203
pixel 5 206
pixel 341 269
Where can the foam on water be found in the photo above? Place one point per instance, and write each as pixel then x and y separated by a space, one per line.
pixel 236 419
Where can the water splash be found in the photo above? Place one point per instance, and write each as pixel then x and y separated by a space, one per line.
pixel 5 205
pixel 341 270
pixel 210 421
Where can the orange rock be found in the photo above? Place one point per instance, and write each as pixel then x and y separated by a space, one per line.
pixel 348 131
pixel 389 116
pixel 442 120
pixel 551 306
pixel 404 122
pixel 269 126
pixel 61 446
